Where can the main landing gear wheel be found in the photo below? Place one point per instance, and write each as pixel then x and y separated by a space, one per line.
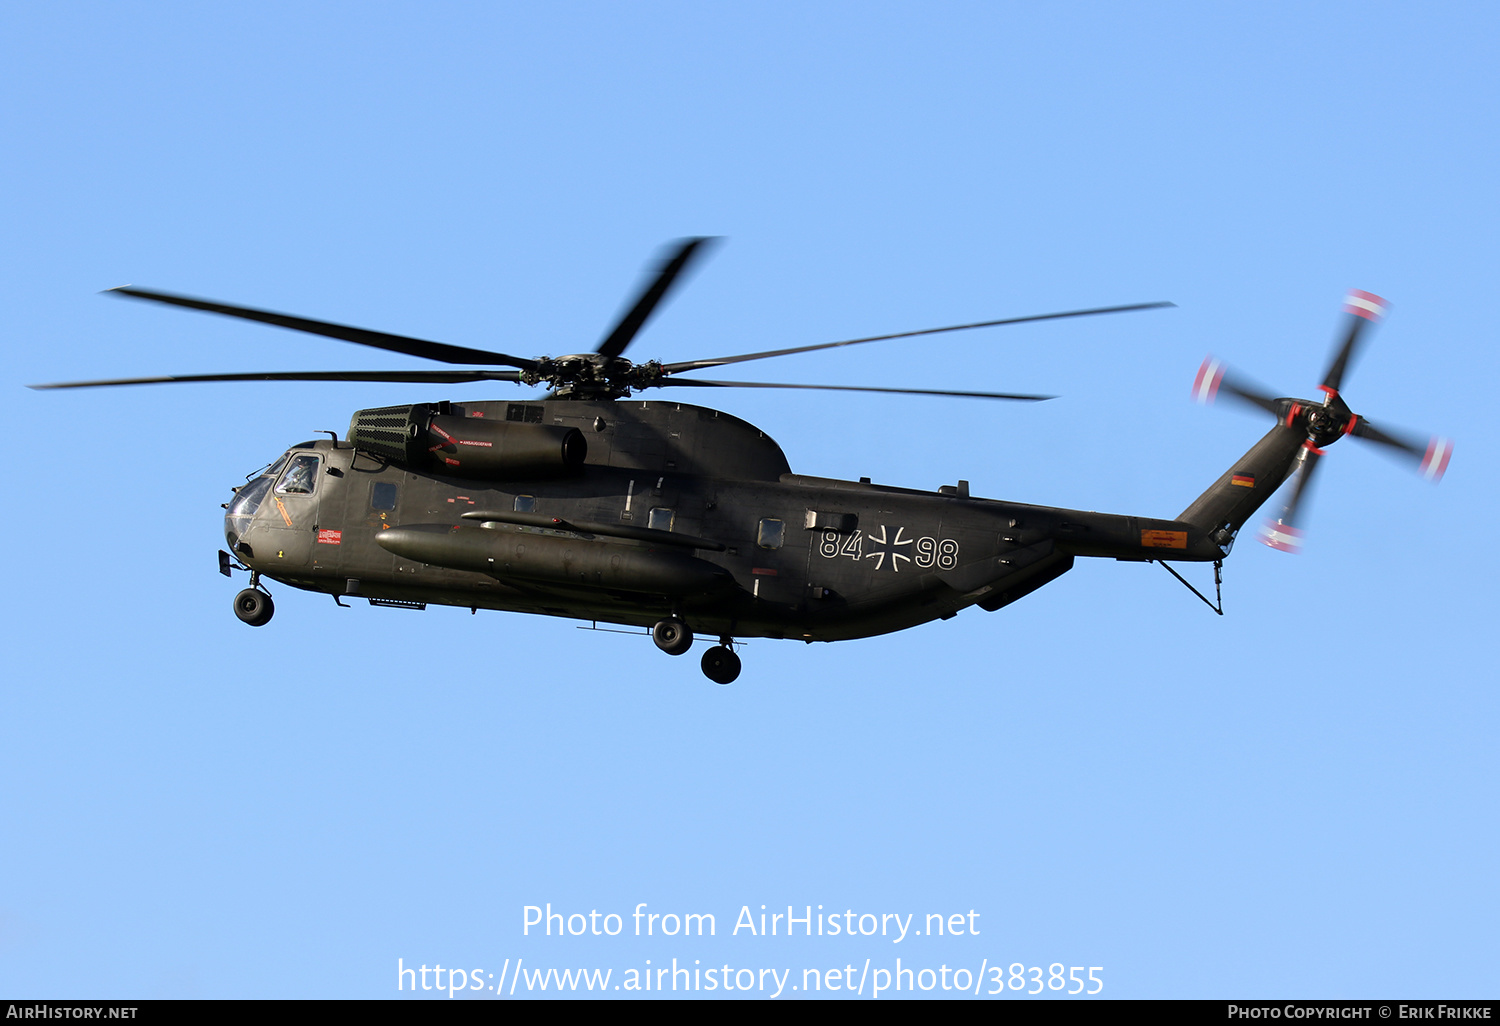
pixel 721 665
pixel 672 636
pixel 254 607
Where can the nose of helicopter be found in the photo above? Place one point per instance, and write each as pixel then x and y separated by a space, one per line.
pixel 242 508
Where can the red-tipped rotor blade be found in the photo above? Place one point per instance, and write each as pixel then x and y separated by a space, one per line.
pixel 1364 309
pixel 1215 377
pixel 1431 457
pixel 1286 531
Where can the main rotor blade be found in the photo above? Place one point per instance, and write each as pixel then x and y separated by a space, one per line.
pixel 439 351
pixel 1432 457
pixel 1286 532
pixel 411 377
pixel 699 382
pixel 615 342
pixel 1215 377
pixel 1364 309
pixel 677 368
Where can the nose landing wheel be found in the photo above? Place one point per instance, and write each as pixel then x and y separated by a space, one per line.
pixel 721 665
pixel 254 607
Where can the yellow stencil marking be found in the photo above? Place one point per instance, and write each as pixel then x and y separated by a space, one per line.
pixel 289 519
pixel 1164 539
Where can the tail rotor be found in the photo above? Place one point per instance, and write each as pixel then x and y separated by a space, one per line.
pixel 1324 422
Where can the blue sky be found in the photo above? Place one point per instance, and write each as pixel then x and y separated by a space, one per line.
pixel 1294 800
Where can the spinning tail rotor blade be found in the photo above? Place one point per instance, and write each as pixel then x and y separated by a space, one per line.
pixel 1364 309
pixel 1215 377
pixel 1431 457
pixel 1285 532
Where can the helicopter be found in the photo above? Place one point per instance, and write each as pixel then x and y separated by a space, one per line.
pixel 685 521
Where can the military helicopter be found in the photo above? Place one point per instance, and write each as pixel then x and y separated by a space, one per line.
pixel 683 520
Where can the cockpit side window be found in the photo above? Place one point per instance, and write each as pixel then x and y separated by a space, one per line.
pixel 300 476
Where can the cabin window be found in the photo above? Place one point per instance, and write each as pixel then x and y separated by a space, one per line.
pixel 300 477
pixel 525 504
pixel 771 534
pixel 383 495
pixel 521 413
pixel 660 519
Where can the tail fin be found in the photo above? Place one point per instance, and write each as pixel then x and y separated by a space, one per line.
pixel 1245 486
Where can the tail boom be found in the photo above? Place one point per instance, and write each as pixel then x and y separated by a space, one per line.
pixel 1244 487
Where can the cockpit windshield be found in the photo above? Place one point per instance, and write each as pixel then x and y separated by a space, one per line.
pixel 248 499
pixel 242 508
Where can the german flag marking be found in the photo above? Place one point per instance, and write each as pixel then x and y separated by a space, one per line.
pixel 1243 480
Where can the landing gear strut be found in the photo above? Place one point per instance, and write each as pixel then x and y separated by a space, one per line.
pixel 254 607
pixel 672 636
pixel 720 664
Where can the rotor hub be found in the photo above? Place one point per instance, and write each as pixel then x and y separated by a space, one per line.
pixel 592 376
pixel 1325 426
pixel 1324 423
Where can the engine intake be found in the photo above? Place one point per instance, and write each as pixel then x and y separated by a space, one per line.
pixel 421 438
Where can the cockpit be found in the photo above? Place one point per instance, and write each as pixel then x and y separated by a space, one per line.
pixel 295 473
pixel 301 475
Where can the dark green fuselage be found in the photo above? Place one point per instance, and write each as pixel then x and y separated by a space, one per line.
pixel 768 553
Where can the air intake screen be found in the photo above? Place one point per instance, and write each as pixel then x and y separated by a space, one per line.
pixel 398 433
